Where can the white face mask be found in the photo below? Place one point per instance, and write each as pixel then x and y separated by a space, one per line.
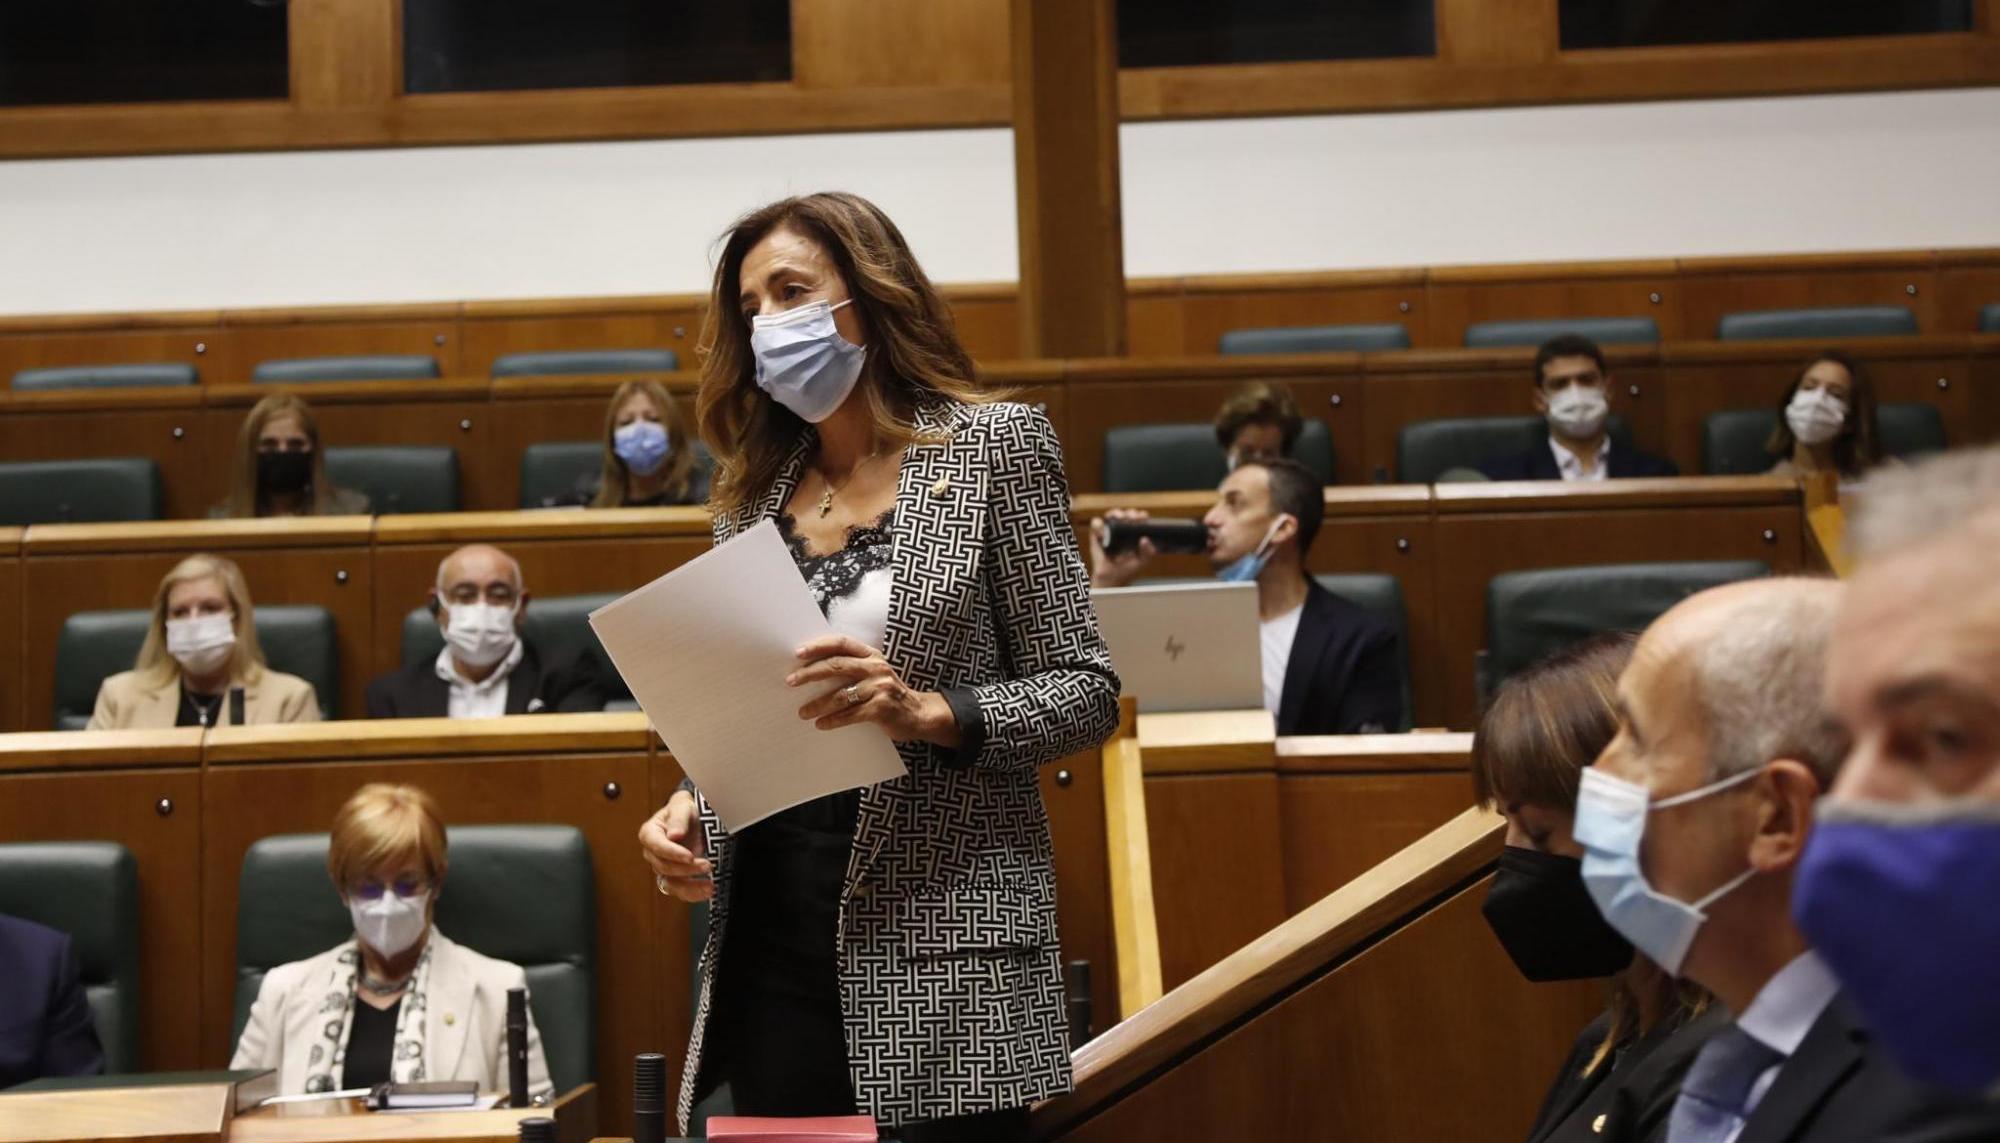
pixel 480 634
pixel 201 644
pixel 1815 416
pixel 390 924
pixel 1578 412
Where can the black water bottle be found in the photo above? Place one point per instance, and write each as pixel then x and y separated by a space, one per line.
pixel 517 1047
pixel 649 1098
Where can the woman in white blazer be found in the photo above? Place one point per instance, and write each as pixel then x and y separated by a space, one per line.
pixel 400 1001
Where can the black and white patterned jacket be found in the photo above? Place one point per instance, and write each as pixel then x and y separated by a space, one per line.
pixel 950 976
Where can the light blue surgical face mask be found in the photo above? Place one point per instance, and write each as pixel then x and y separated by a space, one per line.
pixel 642 445
pixel 1250 566
pixel 1610 824
pixel 803 362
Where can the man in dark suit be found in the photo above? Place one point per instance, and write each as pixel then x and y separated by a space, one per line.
pixel 1330 667
pixel 45 1025
pixel 1573 390
pixel 485 669
pixel 1693 822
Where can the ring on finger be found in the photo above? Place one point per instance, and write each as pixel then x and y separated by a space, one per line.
pixel 660 883
pixel 852 694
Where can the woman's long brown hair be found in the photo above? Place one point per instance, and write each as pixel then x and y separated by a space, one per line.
pixel 679 473
pixel 242 501
pixel 913 352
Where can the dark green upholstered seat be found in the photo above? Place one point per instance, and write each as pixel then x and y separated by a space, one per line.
pixel 1178 457
pixel 557 626
pixel 1603 330
pixel 97 490
pixel 1817 322
pixel 1382 594
pixel 90 890
pixel 1427 449
pixel 298 639
pixel 398 479
pixel 374 367
pixel 552 470
pixel 1989 318
pixel 107 376
pixel 1316 339
pixel 586 361
pixel 520 893
pixel 1732 441
pixel 1530 614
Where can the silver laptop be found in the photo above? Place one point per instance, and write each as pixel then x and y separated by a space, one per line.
pixel 1193 646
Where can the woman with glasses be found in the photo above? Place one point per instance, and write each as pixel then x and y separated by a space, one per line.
pixel 400 1001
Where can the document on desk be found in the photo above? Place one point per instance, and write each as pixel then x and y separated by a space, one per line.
pixel 706 648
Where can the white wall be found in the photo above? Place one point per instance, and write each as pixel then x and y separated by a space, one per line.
pixel 1897 171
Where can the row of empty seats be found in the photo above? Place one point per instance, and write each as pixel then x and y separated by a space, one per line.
pixel 370 367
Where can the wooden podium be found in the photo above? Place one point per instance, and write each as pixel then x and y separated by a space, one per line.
pixel 202 1113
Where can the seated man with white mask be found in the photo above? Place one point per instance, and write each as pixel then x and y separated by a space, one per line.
pixel 1693 822
pixel 485 669
pixel 1573 390
pixel 1330 667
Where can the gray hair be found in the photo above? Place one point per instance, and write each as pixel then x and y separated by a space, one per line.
pixel 1760 680
pixel 1900 505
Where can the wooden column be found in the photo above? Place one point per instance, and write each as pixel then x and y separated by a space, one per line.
pixel 346 54
pixel 1072 298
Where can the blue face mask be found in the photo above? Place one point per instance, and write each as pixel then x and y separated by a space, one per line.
pixel 642 445
pixel 1900 901
pixel 803 362
pixel 1610 824
pixel 1250 566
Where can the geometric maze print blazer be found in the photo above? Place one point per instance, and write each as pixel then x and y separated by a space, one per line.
pixel 950 978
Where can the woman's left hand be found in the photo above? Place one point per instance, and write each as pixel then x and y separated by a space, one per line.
pixel 869 690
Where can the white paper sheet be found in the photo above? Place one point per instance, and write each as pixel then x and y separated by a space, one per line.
pixel 706 648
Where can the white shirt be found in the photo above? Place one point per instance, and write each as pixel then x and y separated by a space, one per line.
pixel 1785 1010
pixel 486 698
pixel 1277 635
pixel 1571 466
pixel 863 614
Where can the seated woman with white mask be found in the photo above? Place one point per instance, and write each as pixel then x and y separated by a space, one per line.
pixel 400 1001
pixel 1826 421
pixel 201 645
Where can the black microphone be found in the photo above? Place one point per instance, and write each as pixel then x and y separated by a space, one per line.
pixel 538 1129
pixel 1081 1000
pixel 649 1098
pixel 517 1051
pixel 236 706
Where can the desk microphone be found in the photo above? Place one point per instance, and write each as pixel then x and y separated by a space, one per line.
pixel 538 1129
pixel 649 1098
pixel 236 706
pixel 517 1050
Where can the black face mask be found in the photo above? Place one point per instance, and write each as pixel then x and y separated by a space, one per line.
pixel 1546 920
pixel 283 473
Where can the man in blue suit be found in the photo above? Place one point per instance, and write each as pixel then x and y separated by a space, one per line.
pixel 1573 390
pixel 45 1025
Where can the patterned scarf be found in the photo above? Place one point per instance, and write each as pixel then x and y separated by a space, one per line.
pixel 328 1061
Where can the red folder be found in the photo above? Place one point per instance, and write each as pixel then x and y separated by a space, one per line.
pixel 825 1129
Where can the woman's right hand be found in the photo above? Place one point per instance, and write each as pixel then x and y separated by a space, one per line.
pixel 671 842
pixel 1107 570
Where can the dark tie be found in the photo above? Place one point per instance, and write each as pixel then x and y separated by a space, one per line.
pixel 1713 1103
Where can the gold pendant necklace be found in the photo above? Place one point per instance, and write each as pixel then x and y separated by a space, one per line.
pixel 826 497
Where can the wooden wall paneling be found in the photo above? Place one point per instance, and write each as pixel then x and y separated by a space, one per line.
pixel 1968 281
pixel 561 553
pixel 11 667
pixel 346 55
pixel 1985 371
pixel 1218 866
pixel 1460 296
pixel 87 567
pixel 124 805
pixel 491 329
pixel 446 412
pixel 535 410
pixel 71 342
pixel 164 425
pixel 245 800
pixel 1712 287
pixel 1214 306
pixel 261 335
pixel 988 322
pixel 1502 32
pixel 673 955
pixel 899 43
pixel 1154 318
pixel 1478 537
pixel 1073 791
pixel 1429 1034
pixel 1338 826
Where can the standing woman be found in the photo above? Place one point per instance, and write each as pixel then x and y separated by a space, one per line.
pixel 892 950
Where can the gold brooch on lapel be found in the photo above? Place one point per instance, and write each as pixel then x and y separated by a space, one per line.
pixel 942 486
pixel 449 1019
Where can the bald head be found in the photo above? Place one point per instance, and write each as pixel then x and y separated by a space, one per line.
pixel 479 572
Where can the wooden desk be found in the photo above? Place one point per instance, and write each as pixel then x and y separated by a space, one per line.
pixel 12 709
pixel 192 1114
pixel 348 1121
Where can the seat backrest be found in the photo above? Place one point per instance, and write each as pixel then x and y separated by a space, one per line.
pixel 1530 614
pixel 98 490
pixel 1989 318
pixel 90 890
pixel 520 893
pixel 1910 429
pixel 552 470
pixel 1383 595
pixel 585 361
pixel 1602 330
pixel 374 367
pixel 398 479
pixel 107 376
pixel 1179 457
pixel 1732 441
pixel 298 639
pixel 557 626
pixel 1316 339
pixel 1819 321
pixel 1426 450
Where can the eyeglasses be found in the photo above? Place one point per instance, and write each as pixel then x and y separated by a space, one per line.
pixel 404 887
